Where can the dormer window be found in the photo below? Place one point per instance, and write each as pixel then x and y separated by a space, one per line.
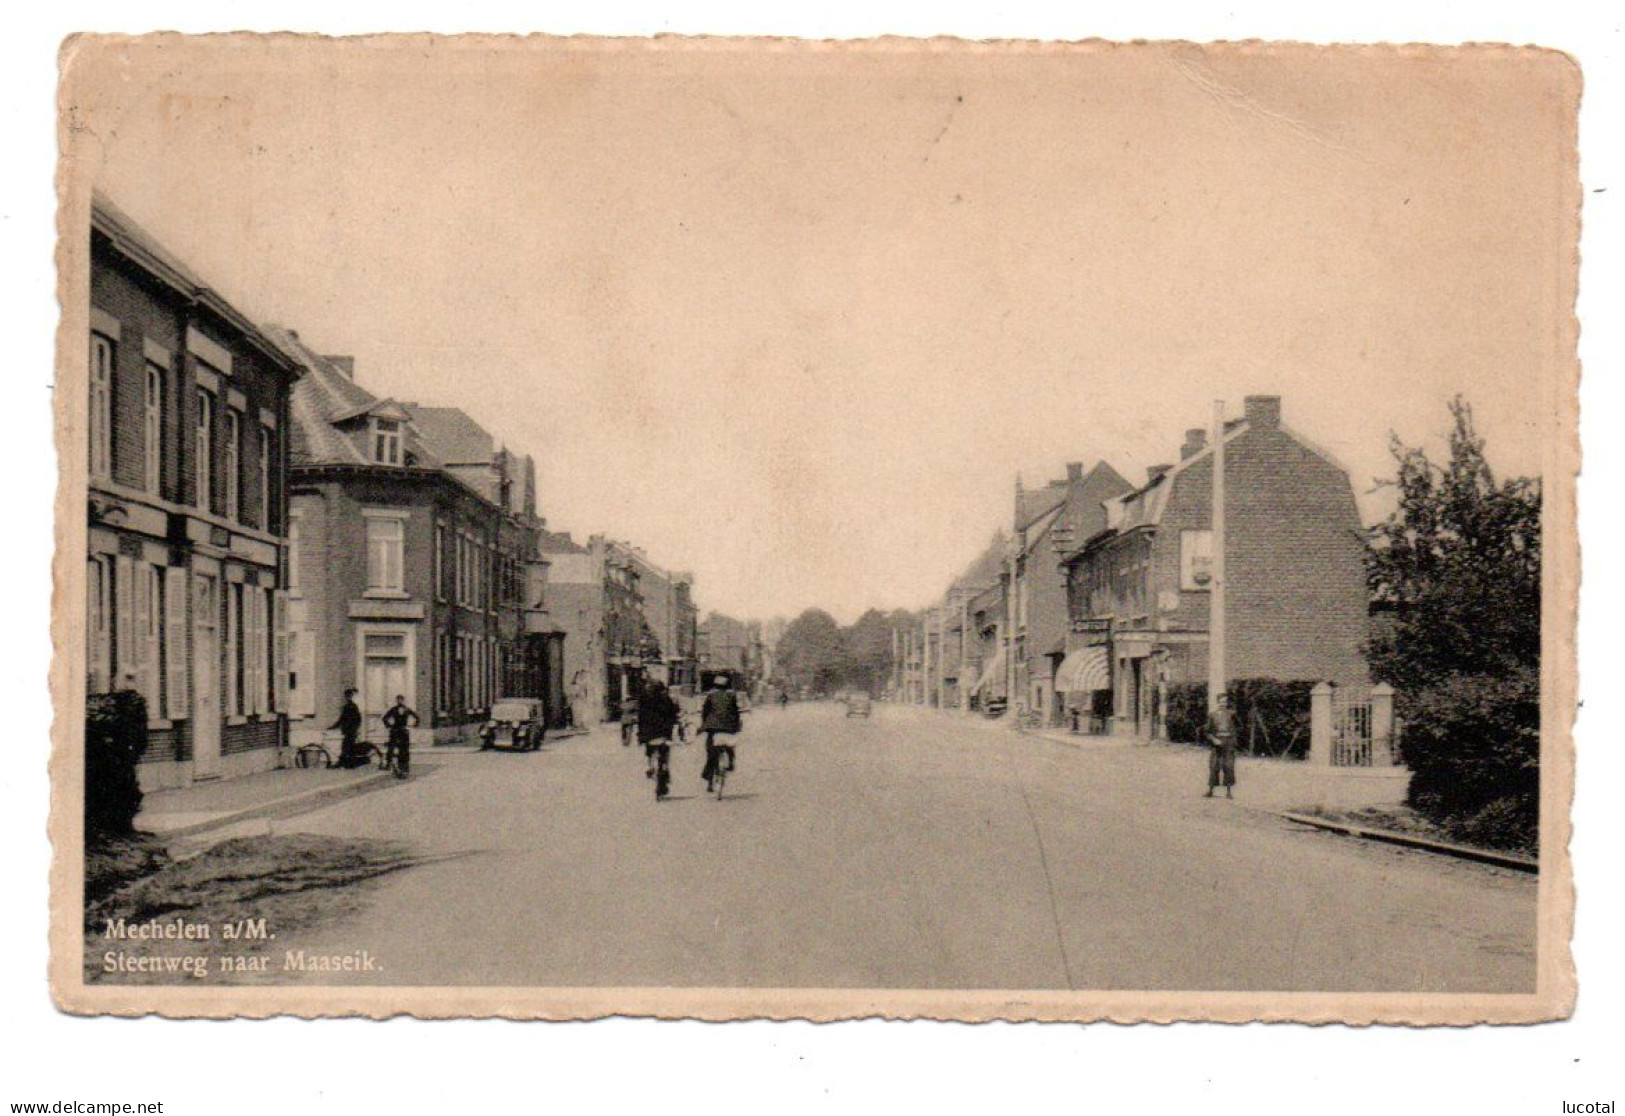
pixel 386 441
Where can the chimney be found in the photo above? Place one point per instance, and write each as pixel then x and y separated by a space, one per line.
pixel 1263 410
pixel 1195 443
pixel 1156 472
pixel 1074 472
pixel 345 364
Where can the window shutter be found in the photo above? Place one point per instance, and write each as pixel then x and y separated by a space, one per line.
pixel 279 650
pixel 303 698
pixel 175 598
pixel 100 645
pixel 146 658
pixel 124 640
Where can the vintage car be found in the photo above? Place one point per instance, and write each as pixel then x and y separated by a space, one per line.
pixel 858 705
pixel 516 723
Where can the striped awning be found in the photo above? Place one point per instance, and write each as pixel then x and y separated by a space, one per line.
pixel 1086 669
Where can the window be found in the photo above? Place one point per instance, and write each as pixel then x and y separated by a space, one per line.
pixel 267 443
pixel 152 423
pixel 386 441
pixel 149 620
pixel 295 562
pixel 439 562
pixel 1195 559
pixel 234 649
pixel 386 540
pixel 101 407
pixel 204 450
pixel 233 464
pixel 99 634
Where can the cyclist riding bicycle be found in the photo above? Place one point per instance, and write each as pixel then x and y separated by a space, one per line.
pixel 657 720
pixel 719 716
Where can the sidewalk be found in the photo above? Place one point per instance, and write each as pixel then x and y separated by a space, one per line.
pixel 204 806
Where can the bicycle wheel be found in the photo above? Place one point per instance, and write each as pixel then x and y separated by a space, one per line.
pixel 312 755
pixel 721 774
pixel 376 757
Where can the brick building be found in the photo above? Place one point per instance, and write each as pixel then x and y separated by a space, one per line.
pixel 1047 519
pixel 572 595
pixel 1295 603
pixel 403 578
pixel 189 401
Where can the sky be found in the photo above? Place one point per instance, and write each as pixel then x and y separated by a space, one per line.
pixel 796 319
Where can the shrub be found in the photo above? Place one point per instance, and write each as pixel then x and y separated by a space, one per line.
pixel 1272 715
pixel 1187 712
pixel 1472 742
pixel 115 738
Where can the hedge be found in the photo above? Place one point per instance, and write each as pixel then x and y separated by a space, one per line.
pixel 1272 715
pixel 115 738
pixel 1472 742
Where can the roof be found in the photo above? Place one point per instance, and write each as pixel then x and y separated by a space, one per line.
pixel 323 401
pixel 1034 504
pixel 144 249
pixel 987 568
pixel 453 435
pixel 558 542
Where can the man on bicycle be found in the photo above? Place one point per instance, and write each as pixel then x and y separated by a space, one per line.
pixel 718 716
pixel 657 719
pixel 399 719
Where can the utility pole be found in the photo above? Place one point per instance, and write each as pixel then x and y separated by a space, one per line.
pixel 1216 680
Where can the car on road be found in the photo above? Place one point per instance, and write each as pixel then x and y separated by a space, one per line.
pixel 858 705
pixel 519 724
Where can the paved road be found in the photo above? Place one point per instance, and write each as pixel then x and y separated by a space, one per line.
pixel 913 850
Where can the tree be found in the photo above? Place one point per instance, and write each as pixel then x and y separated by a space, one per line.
pixel 812 652
pixel 869 651
pixel 1458 565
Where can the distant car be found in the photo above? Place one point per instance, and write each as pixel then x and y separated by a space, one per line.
pixel 858 705
pixel 516 723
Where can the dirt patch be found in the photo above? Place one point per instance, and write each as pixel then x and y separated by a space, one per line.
pixel 216 916
pixel 1403 819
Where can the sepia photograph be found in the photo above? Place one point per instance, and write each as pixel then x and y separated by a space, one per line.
pixel 762 528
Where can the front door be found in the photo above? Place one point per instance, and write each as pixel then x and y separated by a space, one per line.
pixel 384 674
pixel 205 676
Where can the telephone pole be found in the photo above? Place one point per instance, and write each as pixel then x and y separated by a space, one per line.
pixel 1216 682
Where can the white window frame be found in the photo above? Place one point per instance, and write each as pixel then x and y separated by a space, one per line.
pixel 231 641
pixel 265 477
pixel 386 441
pixel 232 467
pixel 153 427
pixel 203 449
pixel 383 578
pixel 99 626
pixel 103 366
pixel 439 561
pixel 296 579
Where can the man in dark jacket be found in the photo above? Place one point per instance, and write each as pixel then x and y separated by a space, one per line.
pixel 657 720
pixel 1221 738
pixel 718 716
pixel 349 725
pixel 399 719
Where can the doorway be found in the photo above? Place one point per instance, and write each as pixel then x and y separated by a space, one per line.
pixel 385 670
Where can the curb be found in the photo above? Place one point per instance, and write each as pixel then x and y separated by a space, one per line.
pixel 1388 836
pixel 305 800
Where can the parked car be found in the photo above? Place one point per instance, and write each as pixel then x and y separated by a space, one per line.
pixel 516 723
pixel 858 705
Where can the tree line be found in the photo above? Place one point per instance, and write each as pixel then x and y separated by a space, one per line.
pixel 820 657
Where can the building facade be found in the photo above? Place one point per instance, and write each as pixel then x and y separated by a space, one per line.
pixel 189 405
pixel 1295 601
pixel 403 578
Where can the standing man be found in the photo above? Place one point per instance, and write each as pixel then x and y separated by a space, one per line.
pixel 719 715
pixel 400 719
pixel 1221 738
pixel 349 724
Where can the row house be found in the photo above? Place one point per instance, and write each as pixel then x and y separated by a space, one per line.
pixel 570 596
pixel 1139 588
pixel 403 578
pixel 673 618
pixel 188 409
pixel 726 644
pixel 1048 522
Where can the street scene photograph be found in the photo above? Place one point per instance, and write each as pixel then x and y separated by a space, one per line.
pixel 850 529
